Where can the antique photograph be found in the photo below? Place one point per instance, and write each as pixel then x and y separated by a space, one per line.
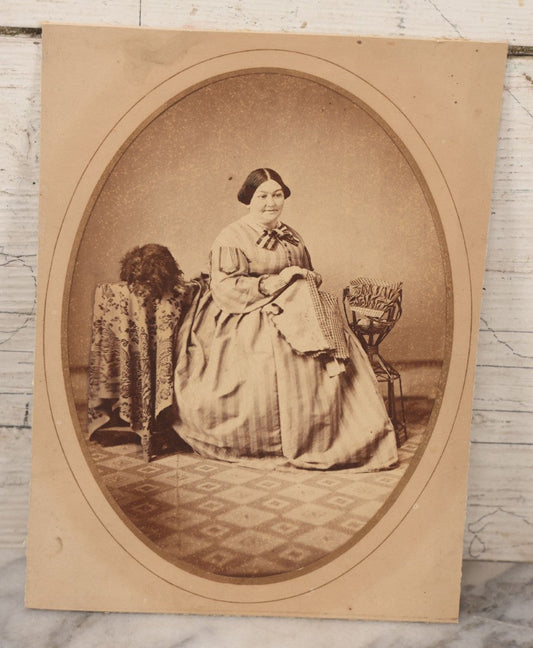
pixel 259 325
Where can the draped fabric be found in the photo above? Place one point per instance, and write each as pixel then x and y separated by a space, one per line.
pixel 310 320
pixel 243 391
pixel 131 366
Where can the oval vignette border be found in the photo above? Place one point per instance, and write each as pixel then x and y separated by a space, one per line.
pixel 395 494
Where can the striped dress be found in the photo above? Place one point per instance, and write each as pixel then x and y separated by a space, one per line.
pixel 241 389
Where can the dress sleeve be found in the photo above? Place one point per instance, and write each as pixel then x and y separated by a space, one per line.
pixel 234 289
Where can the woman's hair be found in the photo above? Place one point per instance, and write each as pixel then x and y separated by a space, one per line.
pixel 255 179
pixel 152 272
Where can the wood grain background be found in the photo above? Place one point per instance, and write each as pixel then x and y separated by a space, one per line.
pixel 499 520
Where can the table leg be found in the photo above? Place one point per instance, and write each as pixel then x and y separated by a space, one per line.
pixel 146 444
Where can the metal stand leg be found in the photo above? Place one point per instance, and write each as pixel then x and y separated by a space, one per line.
pixel 385 372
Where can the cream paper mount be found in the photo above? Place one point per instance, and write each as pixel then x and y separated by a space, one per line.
pixel 388 146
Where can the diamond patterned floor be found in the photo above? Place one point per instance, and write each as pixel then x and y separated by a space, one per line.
pixel 246 520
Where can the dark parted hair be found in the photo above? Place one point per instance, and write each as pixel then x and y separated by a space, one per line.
pixel 255 179
pixel 152 272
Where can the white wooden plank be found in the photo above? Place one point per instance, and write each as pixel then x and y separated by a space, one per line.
pixel 20 375
pixel 14 485
pixel 19 176
pixel 14 338
pixel 508 20
pixel 499 519
pixel 505 349
pixel 497 388
pixel 511 233
pixel 507 304
pixel 17 408
pixel 511 226
pixel 31 13
pixel 17 298
pixel 19 149
pixel 500 426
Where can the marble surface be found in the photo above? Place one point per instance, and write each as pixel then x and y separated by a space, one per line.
pixel 496 612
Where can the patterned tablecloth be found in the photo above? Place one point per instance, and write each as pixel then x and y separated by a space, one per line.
pixel 131 366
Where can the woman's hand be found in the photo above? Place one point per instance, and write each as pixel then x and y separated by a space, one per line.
pixel 295 272
pixel 317 277
pixel 271 284
pixel 268 285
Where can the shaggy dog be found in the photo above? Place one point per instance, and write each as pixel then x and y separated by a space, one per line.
pixel 152 272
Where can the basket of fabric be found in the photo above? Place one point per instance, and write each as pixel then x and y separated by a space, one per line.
pixel 372 308
pixel 375 303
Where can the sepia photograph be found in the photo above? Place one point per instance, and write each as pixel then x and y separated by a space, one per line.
pixel 259 325
pixel 260 271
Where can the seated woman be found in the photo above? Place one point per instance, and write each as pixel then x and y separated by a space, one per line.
pixel 265 366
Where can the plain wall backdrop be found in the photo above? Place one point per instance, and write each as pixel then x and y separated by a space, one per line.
pixel 355 200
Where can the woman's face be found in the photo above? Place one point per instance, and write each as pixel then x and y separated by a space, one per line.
pixel 267 203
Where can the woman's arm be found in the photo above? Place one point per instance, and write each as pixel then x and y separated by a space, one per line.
pixel 234 289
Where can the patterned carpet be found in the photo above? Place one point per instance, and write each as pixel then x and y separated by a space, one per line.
pixel 248 520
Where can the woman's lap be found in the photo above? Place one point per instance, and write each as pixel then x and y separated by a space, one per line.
pixel 242 391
